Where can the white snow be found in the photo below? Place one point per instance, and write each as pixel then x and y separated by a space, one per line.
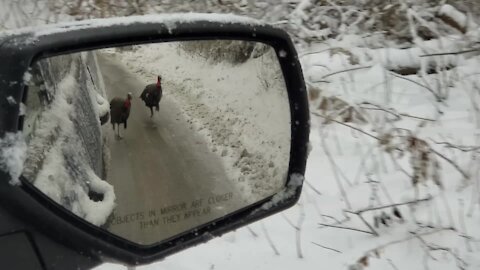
pixel 98 212
pixel 170 20
pixel 12 155
pixel 11 100
pixel 23 109
pixel 288 192
pixel 103 105
pixel 55 146
pixel 27 77
pixel 56 182
pixel 450 11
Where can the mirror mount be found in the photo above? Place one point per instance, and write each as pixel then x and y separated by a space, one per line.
pixel 19 50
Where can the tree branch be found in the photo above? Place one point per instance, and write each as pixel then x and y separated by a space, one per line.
pixel 254 234
pixel 368 225
pixel 449 53
pixel 346 125
pixel 267 235
pixel 463 148
pixel 455 165
pixel 345 228
pixel 437 97
pixel 312 187
pixel 461 264
pixel 343 71
pixel 460 170
pixel 358 212
pixel 332 249
pixel 392 112
pixel 381 247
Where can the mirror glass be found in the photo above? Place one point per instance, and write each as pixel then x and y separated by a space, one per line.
pixel 149 141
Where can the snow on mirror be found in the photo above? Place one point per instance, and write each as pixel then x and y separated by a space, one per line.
pixel 149 141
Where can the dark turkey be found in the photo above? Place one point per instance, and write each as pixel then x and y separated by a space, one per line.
pixel 119 112
pixel 152 94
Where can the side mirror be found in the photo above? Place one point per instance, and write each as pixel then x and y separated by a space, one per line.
pixel 148 135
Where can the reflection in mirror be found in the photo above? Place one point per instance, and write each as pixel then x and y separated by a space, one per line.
pixel 152 140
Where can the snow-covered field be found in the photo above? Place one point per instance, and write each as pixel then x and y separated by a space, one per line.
pixel 400 128
pixel 392 179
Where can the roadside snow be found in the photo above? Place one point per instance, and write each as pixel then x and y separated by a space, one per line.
pixel 242 110
pixel 57 161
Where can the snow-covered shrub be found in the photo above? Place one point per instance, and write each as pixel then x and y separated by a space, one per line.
pixel 220 51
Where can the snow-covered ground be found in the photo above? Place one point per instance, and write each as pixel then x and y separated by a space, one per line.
pixel 360 207
pixel 348 170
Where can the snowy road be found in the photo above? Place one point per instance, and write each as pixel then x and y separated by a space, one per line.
pixel 165 178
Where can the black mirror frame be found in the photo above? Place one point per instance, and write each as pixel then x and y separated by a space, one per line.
pixel 19 50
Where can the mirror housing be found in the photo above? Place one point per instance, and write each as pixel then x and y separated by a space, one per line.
pixel 41 218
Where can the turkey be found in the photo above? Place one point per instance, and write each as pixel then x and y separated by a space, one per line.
pixel 152 94
pixel 119 112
